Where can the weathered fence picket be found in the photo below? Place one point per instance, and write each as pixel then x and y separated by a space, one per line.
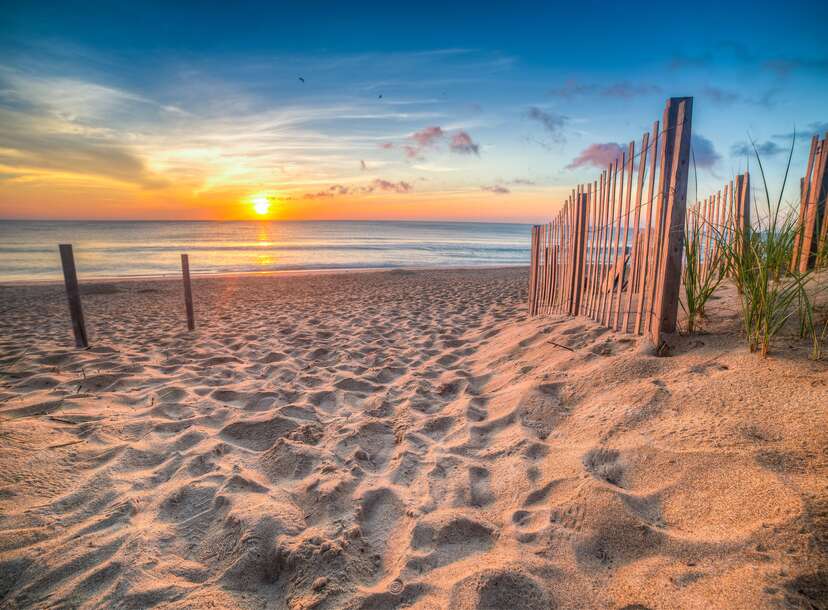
pixel 677 117
pixel 811 246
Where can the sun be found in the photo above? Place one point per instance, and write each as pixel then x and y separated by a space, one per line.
pixel 261 205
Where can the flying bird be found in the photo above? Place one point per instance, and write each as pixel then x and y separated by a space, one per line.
pixel 379 97
pixel 301 79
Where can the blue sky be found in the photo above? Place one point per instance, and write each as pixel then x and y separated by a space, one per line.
pixel 427 110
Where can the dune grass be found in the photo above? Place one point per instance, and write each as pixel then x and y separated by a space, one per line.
pixel 758 259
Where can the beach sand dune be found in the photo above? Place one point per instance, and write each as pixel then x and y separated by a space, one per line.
pixel 399 440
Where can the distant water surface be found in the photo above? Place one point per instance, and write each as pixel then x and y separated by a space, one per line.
pixel 29 249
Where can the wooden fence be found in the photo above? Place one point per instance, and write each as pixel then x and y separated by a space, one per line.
pixel 614 252
pixel 617 257
pixel 720 214
pixel 811 246
pixel 719 218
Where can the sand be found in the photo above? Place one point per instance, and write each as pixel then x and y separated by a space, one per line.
pixel 399 440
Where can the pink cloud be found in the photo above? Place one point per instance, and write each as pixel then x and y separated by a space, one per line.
pixel 377 185
pixel 319 195
pixel 397 187
pixel 462 143
pixel 412 152
pixel 597 155
pixel 496 189
pixel 428 136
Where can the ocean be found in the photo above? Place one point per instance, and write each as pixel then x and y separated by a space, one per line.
pixel 29 249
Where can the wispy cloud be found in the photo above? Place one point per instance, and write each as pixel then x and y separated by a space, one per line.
pixel 622 90
pixel 783 66
pixel 727 97
pixel 768 148
pixel 721 96
pixel 396 187
pixel 819 128
pixel 100 131
pixel 36 143
pixel 704 153
pixel 377 185
pixel 731 52
pixel 553 123
pixel 497 189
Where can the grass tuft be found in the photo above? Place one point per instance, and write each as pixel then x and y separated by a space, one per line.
pixel 758 258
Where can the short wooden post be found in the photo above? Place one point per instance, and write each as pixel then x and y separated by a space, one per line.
pixel 677 127
pixel 70 279
pixel 188 291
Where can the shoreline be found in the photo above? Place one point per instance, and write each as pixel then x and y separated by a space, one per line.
pixel 275 272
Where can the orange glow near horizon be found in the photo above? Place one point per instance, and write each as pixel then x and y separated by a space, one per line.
pixel 90 198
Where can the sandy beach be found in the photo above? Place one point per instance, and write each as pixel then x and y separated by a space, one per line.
pixel 404 439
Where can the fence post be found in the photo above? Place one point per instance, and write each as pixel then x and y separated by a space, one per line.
pixel 70 279
pixel 677 129
pixel 743 215
pixel 531 271
pixel 822 207
pixel 804 185
pixel 188 292
pixel 815 209
pixel 579 243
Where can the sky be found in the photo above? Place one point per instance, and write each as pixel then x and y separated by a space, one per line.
pixel 486 111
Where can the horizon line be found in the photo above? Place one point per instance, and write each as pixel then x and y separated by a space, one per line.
pixel 515 222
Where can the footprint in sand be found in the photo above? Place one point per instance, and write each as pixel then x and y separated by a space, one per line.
pixel 258 434
pixel 186 502
pixel 288 459
pixel 379 512
pixel 499 589
pixel 447 537
pixel 478 493
pixel 370 444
